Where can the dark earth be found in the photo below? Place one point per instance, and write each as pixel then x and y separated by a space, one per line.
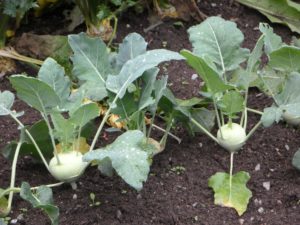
pixel 168 197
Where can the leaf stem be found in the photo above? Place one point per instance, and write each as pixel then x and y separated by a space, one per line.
pixel 218 116
pixel 114 30
pixel 253 130
pixel 254 111
pixel 230 176
pixel 169 133
pixel 164 138
pixel 204 130
pixel 31 139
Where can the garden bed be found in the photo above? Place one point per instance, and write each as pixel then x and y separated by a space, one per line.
pixel 176 191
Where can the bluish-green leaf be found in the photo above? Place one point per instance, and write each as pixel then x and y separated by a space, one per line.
pixel 240 194
pixel 84 114
pixel 54 75
pixel 232 102
pixel 132 46
pixel 296 160
pixel 3 205
pixel 211 78
pixel 128 157
pixel 35 92
pixel 64 129
pixel 6 102
pixel 220 40
pixel 272 41
pixel 135 68
pixel 42 199
pixel 255 55
pixel 286 58
pixel 270 115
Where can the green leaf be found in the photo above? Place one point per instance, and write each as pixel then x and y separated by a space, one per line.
pixel 128 157
pixel 135 68
pixel 277 11
pixel 296 160
pixel 219 40
pixel 3 206
pixel 2 222
pixel 84 114
pixel 240 194
pixel 272 41
pixel 286 58
pixel 204 117
pixel 18 8
pixel 64 129
pixel 34 92
pixel 232 102
pixel 271 115
pixel 6 102
pixel 149 79
pixel 126 106
pixel 255 55
pixel 132 46
pixel 42 199
pixel 211 78
pixel 53 74
pixel 90 60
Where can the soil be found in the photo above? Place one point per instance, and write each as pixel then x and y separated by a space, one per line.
pixel 170 198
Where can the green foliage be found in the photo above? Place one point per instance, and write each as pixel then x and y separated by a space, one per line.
pixel 42 199
pixel 231 103
pixel 3 206
pixel 129 155
pixel 296 160
pixel 278 11
pixel 237 197
pixel 18 8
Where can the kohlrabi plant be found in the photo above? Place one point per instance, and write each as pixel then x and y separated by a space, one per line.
pixel 66 108
pixel 217 57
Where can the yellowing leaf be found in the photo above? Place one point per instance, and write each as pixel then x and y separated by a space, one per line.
pixel 78 145
pixel 113 121
pixel 238 197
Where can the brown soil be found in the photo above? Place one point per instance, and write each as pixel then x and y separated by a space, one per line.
pixel 167 197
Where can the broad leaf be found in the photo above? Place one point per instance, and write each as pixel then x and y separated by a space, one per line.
pixel 286 58
pixel 90 59
pixel 296 160
pixel 204 117
pixel 271 115
pixel 126 106
pixel 42 199
pixel 132 46
pixel 128 157
pixel 255 55
pixel 135 68
pixel 211 78
pixel 64 129
pixel 219 40
pixel 277 11
pixel 272 41
pixel 54 75
pixel 6 102
pixel 35 93
pixel 240 194
pixel 232 102
pixel 84 114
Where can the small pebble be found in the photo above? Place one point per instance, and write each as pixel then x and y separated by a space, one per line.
pixel 13 221
pixel 194 76
pixel 241 221
pixel 261 210
pixel 74 196
pixel 195 204
pixel 213 4
pixel 119 214
pixel 287 147
pixel 257 167
pixel 267 185
pixel 200 145
pixel 128 25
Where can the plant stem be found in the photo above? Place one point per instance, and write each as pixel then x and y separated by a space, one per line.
pixel 230 176
pixel 31 139
pixel 204 130
pixel 254 111
pixel 169 133
pixel 114 30
pixel 13 175
pixel 11 53
pixel 253 130
pixel 218 116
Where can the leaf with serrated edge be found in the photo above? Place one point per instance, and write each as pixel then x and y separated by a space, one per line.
pixel 128 157
pixel 240 194
pixel 41 199
pixel 220 40
pixel 272 41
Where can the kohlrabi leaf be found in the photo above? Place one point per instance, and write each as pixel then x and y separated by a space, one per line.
pixel 243 79
pixel 132 46
pixel 272 41
pixel 90 59
pixel 232 102
pixel 128 157
pixel 219 40
pixel 286 58
pixel 211 78
pixel 6 102
pixel 296 160
pixel 277 11
pixel 270 115
pixel 159 88
pixel 204 117
pixel 148 79
pixel 64 129
pixel 42 198
pixel 3 205
pixel 2 221
pixel 126 106
pixel 84 114
pixel 35 92
pixel 135 68
pixel 240 194
pixel 255 55
pixel 54 75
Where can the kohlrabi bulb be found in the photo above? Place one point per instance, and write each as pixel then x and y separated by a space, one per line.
pixel 291 119
pixel 71 166
pixel 233 137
